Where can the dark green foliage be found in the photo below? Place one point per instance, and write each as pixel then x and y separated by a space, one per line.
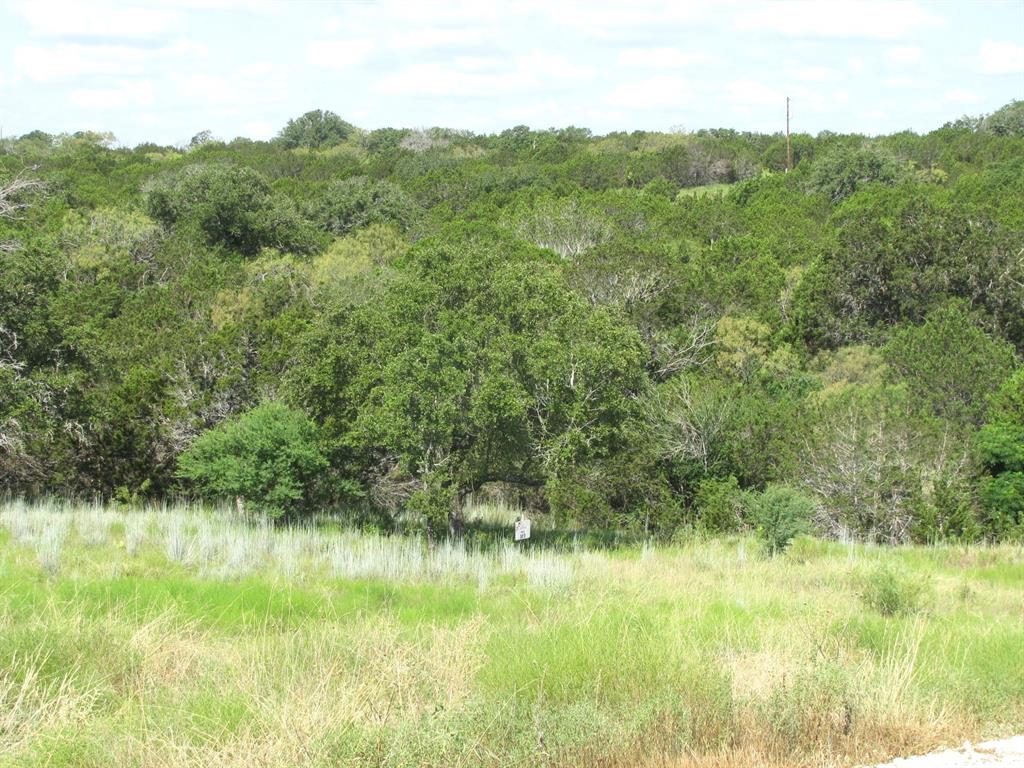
pixel 899 253
pixel 231 206
pixel 268 458
pixel 999 447
pixel 950 364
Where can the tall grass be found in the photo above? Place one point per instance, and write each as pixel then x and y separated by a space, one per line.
pixel 220 544
pixel 180 636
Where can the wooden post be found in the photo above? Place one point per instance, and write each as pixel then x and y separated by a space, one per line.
pixel 789 147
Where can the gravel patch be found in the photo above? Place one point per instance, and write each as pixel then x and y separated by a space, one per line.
pixel 1003 752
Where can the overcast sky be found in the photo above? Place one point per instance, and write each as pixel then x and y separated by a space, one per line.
pixel 165 70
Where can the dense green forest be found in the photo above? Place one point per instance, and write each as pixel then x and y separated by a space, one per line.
pixel 661 332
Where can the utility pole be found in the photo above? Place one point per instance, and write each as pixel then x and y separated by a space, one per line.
pixel 789 147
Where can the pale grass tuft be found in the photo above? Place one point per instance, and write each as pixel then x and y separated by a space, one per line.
pixel 31 706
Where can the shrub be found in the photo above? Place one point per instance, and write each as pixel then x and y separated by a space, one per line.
pixel 268 459
pixel 231 206
pixel 349 204
pixel 891 593
pixel 843 170
pixel 719 504
pixel 780 514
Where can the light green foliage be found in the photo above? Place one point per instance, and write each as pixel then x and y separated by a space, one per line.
pixel 780 514
pixel 273 644
pixel 842 171
pixel 348 271
pixel 892 592
pixel 110 242
pixel 483 366
pixel 268 458
pixel 720 504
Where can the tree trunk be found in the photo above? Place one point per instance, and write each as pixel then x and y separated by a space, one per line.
pixel 456 518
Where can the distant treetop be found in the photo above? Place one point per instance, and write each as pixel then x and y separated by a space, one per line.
pixel 316 129
pixel 1006 121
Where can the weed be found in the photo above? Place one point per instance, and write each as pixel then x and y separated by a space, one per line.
pixel 893 593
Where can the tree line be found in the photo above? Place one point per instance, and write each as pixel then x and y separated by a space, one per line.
pixel 637 330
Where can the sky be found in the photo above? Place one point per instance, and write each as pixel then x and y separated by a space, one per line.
pixel 165 70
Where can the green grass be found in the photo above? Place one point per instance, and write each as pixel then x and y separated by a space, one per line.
pixel 707 189
pixel 705 653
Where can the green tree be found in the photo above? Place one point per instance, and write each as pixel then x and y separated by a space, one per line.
pixel 1000 452
pixel 316 129
pixel 1006 121
pixel 780 514
pixel 267 460
pixel 843 170
pixel 950 363
pixel 354 203
pixel 477 364
pixel 231 206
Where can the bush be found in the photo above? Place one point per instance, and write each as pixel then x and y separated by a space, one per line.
pixel 358 202
pixel 780 514
pixel 719 504
pixel 893 594
pixel 231 206
pixel 268 459
pixel 843 170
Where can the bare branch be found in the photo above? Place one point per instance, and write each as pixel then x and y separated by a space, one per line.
pixel 13 195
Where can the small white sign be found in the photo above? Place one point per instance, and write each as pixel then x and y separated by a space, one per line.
pixel 522 529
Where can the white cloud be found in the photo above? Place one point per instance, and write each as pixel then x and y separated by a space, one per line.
pixel 260 130
pixel 427 37
pixel 900 81
pixel 67 18
pixel 1001 58
pixel 806 99
pixel 338 55
pixel 72 61
pixel 660 91
pixel 810 74
pixel 750 93
pixel 903 54
pixel 618 20
pixel 660 58
pixel 957 96
pixel 855 64
pixel 127 93
pixel 209 88
pixel 870 19
pixel 466 77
